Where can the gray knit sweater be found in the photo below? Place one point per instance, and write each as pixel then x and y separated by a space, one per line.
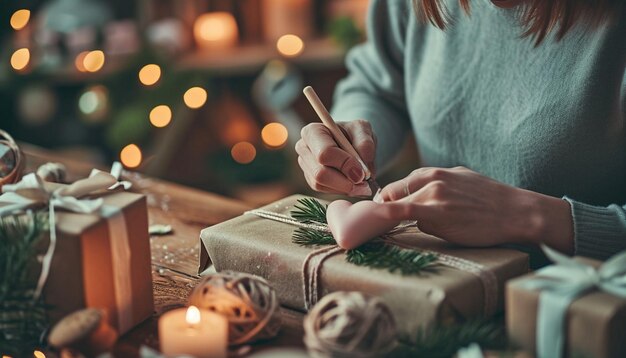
pixel 551 119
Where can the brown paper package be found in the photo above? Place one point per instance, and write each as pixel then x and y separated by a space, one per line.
pixel 262 247
pixel 595 325
pixel 81 272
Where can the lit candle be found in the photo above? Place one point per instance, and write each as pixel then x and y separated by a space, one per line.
pixel 199 333
pixel 216 30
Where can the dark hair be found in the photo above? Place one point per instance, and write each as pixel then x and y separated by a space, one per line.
pixel 539 17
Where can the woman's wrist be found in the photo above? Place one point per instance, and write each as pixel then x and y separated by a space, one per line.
pixel 549 221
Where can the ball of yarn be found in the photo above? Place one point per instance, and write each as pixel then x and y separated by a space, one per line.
pixel 52 172
pixel 349 324
pixel 247 301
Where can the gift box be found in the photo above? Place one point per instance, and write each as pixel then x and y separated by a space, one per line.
pixel 444 294
pixel 101 253
pixel 574 308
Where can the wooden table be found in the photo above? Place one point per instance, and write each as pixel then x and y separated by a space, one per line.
pixel 174 256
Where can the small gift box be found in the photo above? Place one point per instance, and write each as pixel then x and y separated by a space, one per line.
pixel 98 251
pixel 574 308
pixel 465 283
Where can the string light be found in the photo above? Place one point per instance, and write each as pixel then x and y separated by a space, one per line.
pixel 20 59
pixel 274 135
pixel 131 156
pixel 243 152
pixel 149 74
pixel 195 97
pixel 93 61
pixel 20 19
pixel 290 45
pixel 216 30
pixel 160 116
pixel 39 354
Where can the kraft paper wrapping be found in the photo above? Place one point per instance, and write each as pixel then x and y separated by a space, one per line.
pixel 262 247
pixel 82 270
pixel 595 324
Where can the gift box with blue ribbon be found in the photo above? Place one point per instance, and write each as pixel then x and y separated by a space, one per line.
pixel 573 308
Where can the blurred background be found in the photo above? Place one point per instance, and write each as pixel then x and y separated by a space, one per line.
pixel 206 93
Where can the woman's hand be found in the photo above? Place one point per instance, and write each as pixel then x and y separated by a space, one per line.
pixel 328 168
pixel 466 208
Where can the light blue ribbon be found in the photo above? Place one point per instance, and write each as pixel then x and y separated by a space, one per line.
pixel 563 282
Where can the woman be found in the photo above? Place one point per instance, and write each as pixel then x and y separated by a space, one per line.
pixel 518 108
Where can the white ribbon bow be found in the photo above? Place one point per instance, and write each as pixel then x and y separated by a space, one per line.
pixel 31 191
pixel 560 284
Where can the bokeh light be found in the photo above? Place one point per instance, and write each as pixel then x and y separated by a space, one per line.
pixel 160 116
pixel 215 27
pixel 274 135
pixel 20 19
pixel 195 97
pixel 131 156
pixel 290 45
pixel 79 62
pixel 93 61
pixel 243 152
pixel 150 74
pixel 93 103
pixel 20 59
pixel 39 354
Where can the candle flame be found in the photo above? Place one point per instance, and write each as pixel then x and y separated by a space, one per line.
pixel 193 315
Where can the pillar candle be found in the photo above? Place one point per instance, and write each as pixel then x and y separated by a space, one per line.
pixel 199 333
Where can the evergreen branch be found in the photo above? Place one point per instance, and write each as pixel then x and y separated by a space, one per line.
pixel 445 341
pixel 376 254
pixel 309 210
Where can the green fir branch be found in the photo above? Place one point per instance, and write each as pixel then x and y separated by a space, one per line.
pixel 376 254
pixel 445 341
pixel 23 319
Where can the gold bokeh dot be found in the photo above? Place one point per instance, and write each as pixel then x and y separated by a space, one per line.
pixel 131 156
pixel 93 61
pixel 79 62
pixel 20 19
pixel 243 152
pixel 150 74
pixel 195 97
pixel 39 354
pixel 274 135
pixel 290 45
pixel 20 59
pixel 160 116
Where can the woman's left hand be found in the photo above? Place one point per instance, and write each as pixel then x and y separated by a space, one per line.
pixel 466 208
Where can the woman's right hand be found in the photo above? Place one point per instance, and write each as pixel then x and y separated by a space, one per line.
pixel 328 168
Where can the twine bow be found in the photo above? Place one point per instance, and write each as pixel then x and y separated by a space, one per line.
pixel 31 192
pixel 560 285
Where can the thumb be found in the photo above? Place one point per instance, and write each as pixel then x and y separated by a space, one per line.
pixel 395 191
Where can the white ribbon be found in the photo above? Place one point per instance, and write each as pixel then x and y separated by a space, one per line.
pixel 560 285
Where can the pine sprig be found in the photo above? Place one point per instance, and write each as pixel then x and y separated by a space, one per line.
pixel 444 341
pixel 22 318
pixel 309 210
pixel 376 254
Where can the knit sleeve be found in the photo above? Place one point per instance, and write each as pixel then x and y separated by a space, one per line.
pixel 600 232
pixel 374 88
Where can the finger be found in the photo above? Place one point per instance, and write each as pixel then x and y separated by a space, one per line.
pixel 315 186
pixel 326 152
pixel 412 183
pixel 362 138
pixel 320 175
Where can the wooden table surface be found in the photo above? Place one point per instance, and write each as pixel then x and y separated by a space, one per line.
pixel 174 256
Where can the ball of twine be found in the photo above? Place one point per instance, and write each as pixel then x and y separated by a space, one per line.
pixel 247 301
pixel 52 172
pixel 349 324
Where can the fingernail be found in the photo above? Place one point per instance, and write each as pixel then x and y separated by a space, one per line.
pixel 361 190
pixel 378 198
pixel 356 174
